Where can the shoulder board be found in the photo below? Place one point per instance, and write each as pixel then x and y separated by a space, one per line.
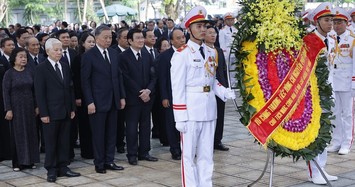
pixel 182 48
pixel 352 33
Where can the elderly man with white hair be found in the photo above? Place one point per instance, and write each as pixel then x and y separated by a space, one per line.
pixel 55 100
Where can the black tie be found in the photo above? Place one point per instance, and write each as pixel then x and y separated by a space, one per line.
pixel 35 59
pixel 151 53
pixel 65 57
pixel 326 42
pixel 106 58
pixel 338 39
pixel 57 70
pixel 230 28
pixel 202 53
pixel 139 57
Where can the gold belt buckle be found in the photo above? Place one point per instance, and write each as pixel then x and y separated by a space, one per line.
pixel 206 89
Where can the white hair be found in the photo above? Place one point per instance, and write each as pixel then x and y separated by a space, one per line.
pixel 50 42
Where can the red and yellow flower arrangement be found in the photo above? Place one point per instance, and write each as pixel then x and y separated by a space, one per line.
pixel 282 78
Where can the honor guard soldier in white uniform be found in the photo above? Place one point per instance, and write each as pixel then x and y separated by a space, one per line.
pixel 341 63
pixel 226 41
pixel 194 87
pixel 352 21
pixel 323 18
pixel 307 21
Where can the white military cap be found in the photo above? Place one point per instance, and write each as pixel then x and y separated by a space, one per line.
pixel 195 15
pixel 305 14
pixel 324 9
pixel 340 13
pixel 228 15
pixel 352 12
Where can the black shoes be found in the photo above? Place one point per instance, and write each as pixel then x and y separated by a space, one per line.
pixel 132 161
pixel 221 147
pixel 113 166
pixel 69 173
pixel 176 156
pixel 51 178
pixel 100 170
pixel 148 158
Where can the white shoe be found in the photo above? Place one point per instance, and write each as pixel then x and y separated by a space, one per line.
pixel 333 148
pixel 330 177
pixel 343 151
pixel 318 180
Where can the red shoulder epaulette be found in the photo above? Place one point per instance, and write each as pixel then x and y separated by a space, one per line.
pixel 182 48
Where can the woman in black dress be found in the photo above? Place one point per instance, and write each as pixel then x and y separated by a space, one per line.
pixel 86 42
pixel 20 111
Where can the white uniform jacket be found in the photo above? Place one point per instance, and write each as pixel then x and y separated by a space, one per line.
pixel 190 74
pixel 226 39
pixel 331 44
pixel 342 62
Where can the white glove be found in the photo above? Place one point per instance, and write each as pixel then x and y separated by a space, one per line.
pixel 229 94
pixel 181 126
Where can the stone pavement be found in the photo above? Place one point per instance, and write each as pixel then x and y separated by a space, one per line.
pixel 238 167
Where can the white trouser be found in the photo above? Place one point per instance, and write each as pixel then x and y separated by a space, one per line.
pixel 197 154
pixel 342 135
pixel 321 159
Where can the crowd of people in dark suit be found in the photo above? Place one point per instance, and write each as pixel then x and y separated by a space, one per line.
pixel 101 86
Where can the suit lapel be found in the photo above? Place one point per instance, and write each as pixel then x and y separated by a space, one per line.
pixel 100 58
pixel 52 71
pixel 132 56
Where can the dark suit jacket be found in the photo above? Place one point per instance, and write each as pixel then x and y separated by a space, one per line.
pixel 166 34
pixel 221 73
pixel 55 97
pixel 156 52
pixel 4 66
pixel 72 55
pixel 5 61
pixel 41 50
pixel 76 68
pixel 137 75
pixel 115 47
pixel 163 63
pixel 31 62
pixel 54 30
pixel 101 82
pixel 158 34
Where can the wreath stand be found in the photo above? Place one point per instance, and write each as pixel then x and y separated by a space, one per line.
pixel 272 154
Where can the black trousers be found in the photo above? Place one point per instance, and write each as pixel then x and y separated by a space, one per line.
pixel 5 135
pixel 104 130
pixel 138 130
pixel 39 126
pixel 171 132
pixel 84 133
pixel 121 129
pixel 73 136
pixel 159 121
pixel 57 139
pixel 218 135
